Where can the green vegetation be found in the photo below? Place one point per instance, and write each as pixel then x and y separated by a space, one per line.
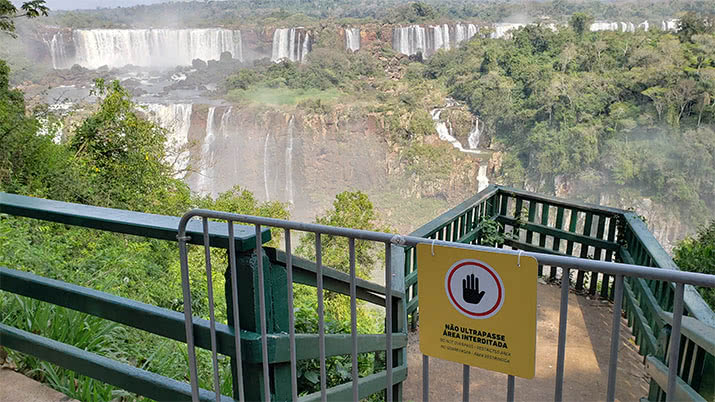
pixel 8 13
pixel 633 109
pixel 283 96
pixel 697 254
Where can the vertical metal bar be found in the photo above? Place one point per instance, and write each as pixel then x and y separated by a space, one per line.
pixel 188 320
pixel 563 316
pixel 212 318
pixel 465 383
pixel 615 339
pixel 675 341
pixel 234 299
pixel 425 378
pixel 510 388
pixel 291 318
pixel 262 311
pixel 321 316
pixel 353 317
pixel 388 317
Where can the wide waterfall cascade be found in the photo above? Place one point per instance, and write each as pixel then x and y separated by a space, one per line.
pixel 289 161
pixel 438 38
pixel 176 119
pixel 352 39
pixel 409 40
pixel 290 44
pixel 145 47
pixel 464 32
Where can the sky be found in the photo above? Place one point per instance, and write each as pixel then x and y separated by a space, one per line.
pixel 92 4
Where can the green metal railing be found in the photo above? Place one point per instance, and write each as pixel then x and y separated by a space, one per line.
pixel 538 223
pixel 171 324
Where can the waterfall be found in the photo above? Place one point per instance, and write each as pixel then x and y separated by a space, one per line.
pixel 438 39
pixel 643 25
pixel 474 136
pixel 146 47
pixel 445 132
pixel 501 30
pixel 670 25
pixel 409 40
pixel 289 161
pixel 352 39
pixel 482 179
pixel 266 164
pixel 290 44
pixel 57 51
pixel 176 119
pixel 207 153
pixel 464 32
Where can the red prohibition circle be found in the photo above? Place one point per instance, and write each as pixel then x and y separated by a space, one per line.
pixel 454 301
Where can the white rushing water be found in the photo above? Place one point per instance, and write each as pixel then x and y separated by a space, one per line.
pixel 409 40
pixel 352 39
pixel 290 44
pixel 482 178
pixel 444 131
pixel 144 47
pixel 501 30
pixel 464 32
pixel 474 136
pixel 176 119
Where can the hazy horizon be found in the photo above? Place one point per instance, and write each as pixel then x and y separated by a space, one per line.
pixel 93 4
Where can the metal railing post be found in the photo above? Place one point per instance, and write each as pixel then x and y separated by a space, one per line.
pixel 276 320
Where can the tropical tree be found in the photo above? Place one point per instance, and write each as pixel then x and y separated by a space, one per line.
pixel 8 13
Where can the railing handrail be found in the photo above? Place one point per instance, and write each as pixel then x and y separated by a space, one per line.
pixel 695 278
pixel 435 224
pixel 694 303
pixel 162 227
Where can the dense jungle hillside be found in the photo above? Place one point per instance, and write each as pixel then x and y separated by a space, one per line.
pixel 378 115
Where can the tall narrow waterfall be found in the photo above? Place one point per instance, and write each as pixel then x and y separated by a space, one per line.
pixel 482 179
pixel 290 44
pixel 289 161
pixel 474 136
pixel 266 164
pixel 176 119
pixel 352 39
pixel 207 151
pixel 145 47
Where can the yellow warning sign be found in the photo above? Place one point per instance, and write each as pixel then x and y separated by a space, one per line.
pixel 478 308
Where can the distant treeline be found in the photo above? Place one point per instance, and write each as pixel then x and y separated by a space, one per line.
pixel 237 13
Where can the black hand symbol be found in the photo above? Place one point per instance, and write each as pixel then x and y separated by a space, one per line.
pixel 470 290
